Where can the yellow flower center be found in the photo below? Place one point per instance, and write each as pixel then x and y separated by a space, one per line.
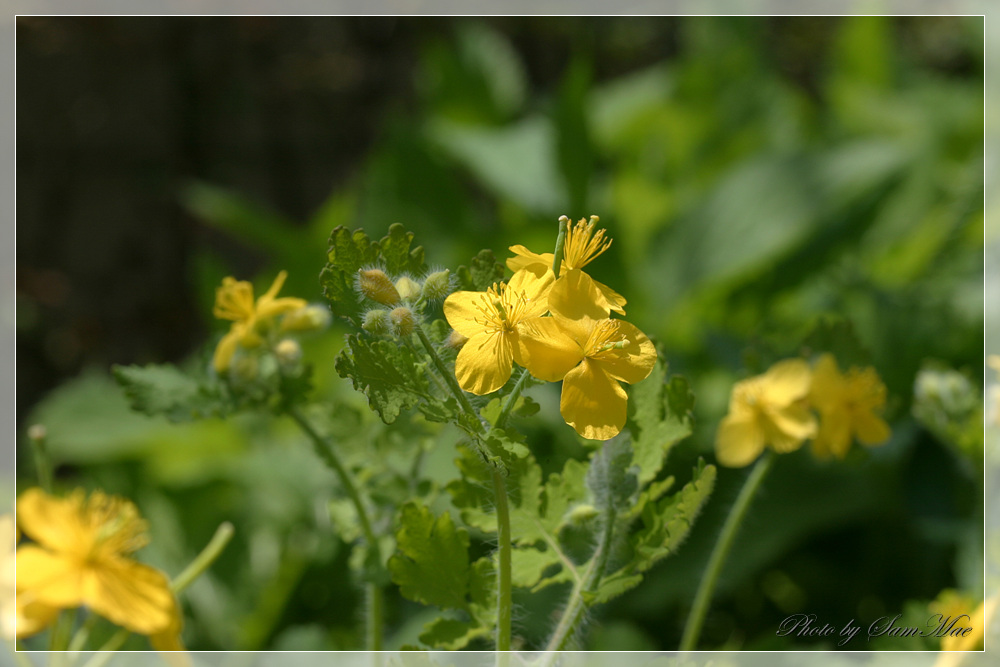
pixel 605 337
pixel 234 300
pixel 112 527
pixel 583 245
pixel 500 309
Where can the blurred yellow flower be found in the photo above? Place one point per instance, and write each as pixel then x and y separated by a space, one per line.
pixel 26 617
pixel 589 353
pixel 82 557
pixel 234 301
pixel 952 604
pixel 491 321
pixel 847 406
pixel 766 410
pixel 582 246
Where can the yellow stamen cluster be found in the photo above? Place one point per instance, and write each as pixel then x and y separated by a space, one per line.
pixel 583 244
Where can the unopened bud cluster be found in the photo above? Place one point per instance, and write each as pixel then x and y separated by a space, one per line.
pixel 404 298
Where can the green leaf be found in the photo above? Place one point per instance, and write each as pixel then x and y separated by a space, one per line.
pixel 390 375
pixel 348 251
pixel 397 255
pixel 451 634
pixel 511 442
pixel 166 390
pixel 661 415
pixel 482 272
pixel 666 525
pixel 431 564
pixel 611 478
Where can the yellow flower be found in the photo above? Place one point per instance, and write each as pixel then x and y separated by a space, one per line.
pixel 234 301
pixel 82 557
pixel 581 246
pixel 17 612
pixel 590 353
pixel 766 410
pixel 491 321
pixel 952 604
pixel 847 405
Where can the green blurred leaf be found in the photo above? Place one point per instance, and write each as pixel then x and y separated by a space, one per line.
pixel 483 271
pixel 431 564
pixel 661 412
pixel 165 390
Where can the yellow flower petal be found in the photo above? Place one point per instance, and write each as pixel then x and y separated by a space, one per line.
pixel 52 522
pixel 530 289
pixel 739 440
pixel 834 436
pixel 635 361
pixel 132 595
pixel 787 381
pixel 575 296
pixel 276 286
pixel 524 258
pixel 547 350
pixel 50 579
pixel 612 299
pixel 226 348
pixel 827 382
pixel 484 363
pixel 795 420
pixel 461 309
pixel 592 402
pixel 870 429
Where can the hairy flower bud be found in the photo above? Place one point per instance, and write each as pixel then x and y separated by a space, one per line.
pixel 408 288
pixel 289 352
pixel 375 285
pixel 403 322
pixel 437 285
pixel 377 322
pixel 310 318
pixel 456 340
pixel 244 370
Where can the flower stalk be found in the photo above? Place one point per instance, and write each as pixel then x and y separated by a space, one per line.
pixel 321 445
pixel 692 629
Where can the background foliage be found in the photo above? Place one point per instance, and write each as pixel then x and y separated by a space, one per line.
pixel 770 184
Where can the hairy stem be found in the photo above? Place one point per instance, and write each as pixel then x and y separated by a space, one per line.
pixel 576 606
pixel 504 599
pixel 692 629
pixel 511 399
pixel 448 376
pixel 40 453
pixel 328 454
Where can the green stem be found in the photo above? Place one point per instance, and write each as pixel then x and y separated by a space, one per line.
pixel 449 377
pixel 576 605
pixel 329 456
pixel 204 560
pixel 557 256
pixel 511 399
pixel 43 465
pixel 373 616
pixel 504 599
pixel 703 597
pixel 80 638
pixel 62 630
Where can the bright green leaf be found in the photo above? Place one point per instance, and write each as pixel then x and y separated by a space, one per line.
pixel 431 564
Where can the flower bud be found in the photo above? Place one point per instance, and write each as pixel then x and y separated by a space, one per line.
pixel 403 322
pixel 581 513
pixel 244 370
pixel 310 318
pixel 37 432
pixel 375 285
pixel 456 340
pixel 377 322
pixel 289 352
pixel 408 288
pixel 437 285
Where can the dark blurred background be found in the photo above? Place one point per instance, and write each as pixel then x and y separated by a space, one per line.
pixel 773 185
pixel 116 115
